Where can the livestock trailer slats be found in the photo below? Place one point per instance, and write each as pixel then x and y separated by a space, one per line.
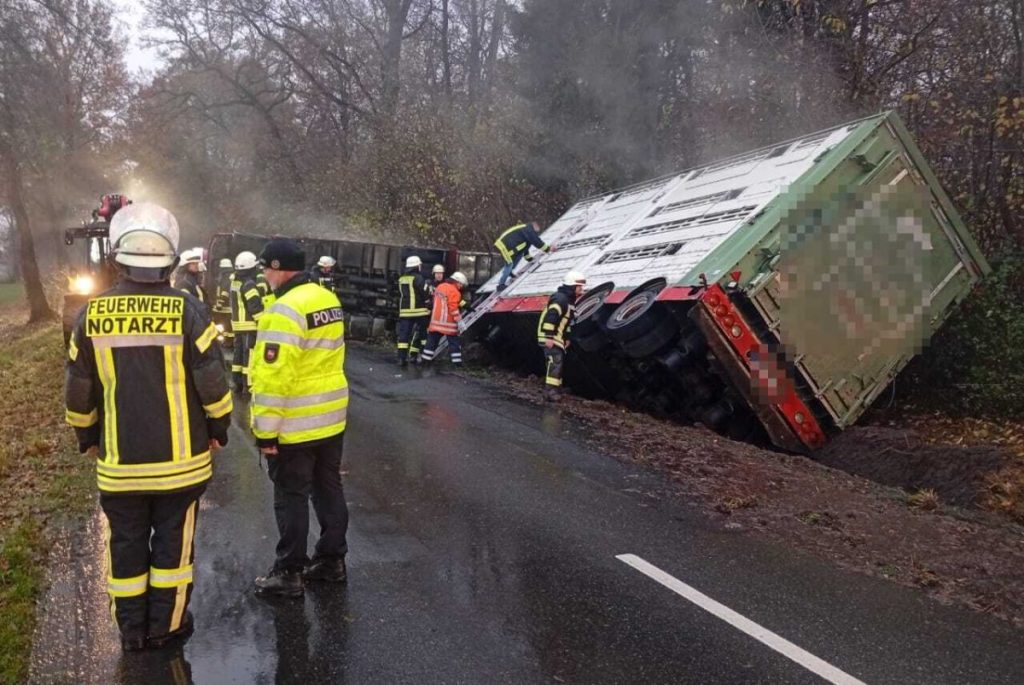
pixel 835 257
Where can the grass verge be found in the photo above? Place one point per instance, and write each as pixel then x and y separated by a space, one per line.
pixel 44 482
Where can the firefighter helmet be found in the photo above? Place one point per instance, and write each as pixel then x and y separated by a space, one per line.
pixel 246 260
pixel 144 240
pixel 574 278
pixel 224 263
pixel 438 269
pixel 194 256
pixel 460 278
pixel 326 262
pixel 413 262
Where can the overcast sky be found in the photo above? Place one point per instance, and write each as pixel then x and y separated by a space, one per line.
pixel 130 14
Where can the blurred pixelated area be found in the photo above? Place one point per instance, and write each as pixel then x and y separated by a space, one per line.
pixel 857 278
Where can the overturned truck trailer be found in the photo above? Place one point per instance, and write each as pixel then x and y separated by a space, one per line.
pixel 776 292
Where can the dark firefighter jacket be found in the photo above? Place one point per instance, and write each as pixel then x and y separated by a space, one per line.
pixel 413 295
pixel 189 282
pixel 266 292
pixel 246 301
pixel 556 319
pixel 518 239
pixel 299 390
pixel 223 300
pixel 145 383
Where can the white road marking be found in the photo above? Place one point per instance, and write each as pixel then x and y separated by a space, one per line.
pixel 759 633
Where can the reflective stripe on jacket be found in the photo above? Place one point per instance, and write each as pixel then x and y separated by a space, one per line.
pixel 300 394
pixel 556 319
pixel 413 295
pixel 445 316
pixel 246 302
pixel 145 382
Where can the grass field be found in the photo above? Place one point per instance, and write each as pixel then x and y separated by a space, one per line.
pixel 10 292
pixel 44 482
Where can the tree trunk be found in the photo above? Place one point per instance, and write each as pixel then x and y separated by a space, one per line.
pixel 446 51
pixel 397 12
pixel 39 308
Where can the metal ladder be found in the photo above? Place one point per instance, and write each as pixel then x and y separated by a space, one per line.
pixel 488 303
pixel 484 308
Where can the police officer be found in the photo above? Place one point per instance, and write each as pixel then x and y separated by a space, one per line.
pixel 444 319
pixel 514 244
pixel 413 312
pixel 299 406
pixel 190 273
pixel 246 310
pixel 553 330
pixel 145 391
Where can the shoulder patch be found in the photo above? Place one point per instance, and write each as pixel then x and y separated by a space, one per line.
pixel 324 317
pixel 271 352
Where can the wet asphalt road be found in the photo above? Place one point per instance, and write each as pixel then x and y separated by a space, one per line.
pixel 482 542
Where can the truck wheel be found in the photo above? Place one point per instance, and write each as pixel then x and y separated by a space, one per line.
pixel 588 331
pixel 637 315
pixel 641 325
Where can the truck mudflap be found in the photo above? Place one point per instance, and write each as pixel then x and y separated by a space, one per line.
pixel 757 373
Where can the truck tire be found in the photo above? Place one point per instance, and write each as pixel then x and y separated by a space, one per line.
pixel 641 325
pixel 588 332
pixel 637 314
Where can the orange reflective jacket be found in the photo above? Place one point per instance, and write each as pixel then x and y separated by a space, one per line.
pixel 445 317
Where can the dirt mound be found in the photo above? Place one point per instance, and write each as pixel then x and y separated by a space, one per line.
pixel 902 458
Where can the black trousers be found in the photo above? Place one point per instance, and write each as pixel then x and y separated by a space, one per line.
pixel 244 342
pixel 412 334
pixel 150 555
pixel 554 361
pixel 299 474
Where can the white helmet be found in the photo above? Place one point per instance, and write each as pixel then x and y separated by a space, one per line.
pixel 460 278
pixel 327 262
pixel 144 235
pixel 438 269
pixel 413 262
pixel 245 261
pixel 194 256
pixel 574 278
pixel 224 263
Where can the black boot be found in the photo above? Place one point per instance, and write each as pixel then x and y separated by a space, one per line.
pixel 552 394
pixel 328 570
pixel 280 584
pixel 175 637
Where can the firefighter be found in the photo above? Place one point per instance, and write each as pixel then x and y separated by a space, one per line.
pixel 553 330
pixel 444 319
pixel 246 310
pixel 146 393
pixel 514 244
pixel 190 273
pixel 438 274
pixel 266 292
pixel 413 311
pixel 323 273
pixel 300 399
pixel 222 302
